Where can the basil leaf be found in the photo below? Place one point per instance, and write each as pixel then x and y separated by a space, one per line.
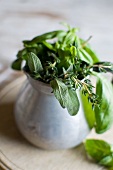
pixel 98 150
pixel 84 57
pixel 34 63
pixel 73 50
pixel 87 56
pixel 66 97
pixel 89 113
pixel 48 45
pixel 92 54
pixel 44 37
pixel 69 38
pixel 88 49
pixel 16 65
pixel 107 161
pixel 104 115
pixel 66 59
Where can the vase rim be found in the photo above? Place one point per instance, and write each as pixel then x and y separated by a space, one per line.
pixel 39 85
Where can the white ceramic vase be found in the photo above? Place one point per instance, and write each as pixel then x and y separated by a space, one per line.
pixel 42 120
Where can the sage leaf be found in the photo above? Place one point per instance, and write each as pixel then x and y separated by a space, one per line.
pixel 66 97
pixel 60 91
pixel 34 63
pixel 72 103
pixel 100 151
pixel 104 114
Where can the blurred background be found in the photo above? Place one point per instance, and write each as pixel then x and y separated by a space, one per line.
pixel 24 19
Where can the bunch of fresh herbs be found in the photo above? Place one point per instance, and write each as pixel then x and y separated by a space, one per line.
pixel 66 62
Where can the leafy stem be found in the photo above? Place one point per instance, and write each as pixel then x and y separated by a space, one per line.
pixel 87 88
pixel 85 42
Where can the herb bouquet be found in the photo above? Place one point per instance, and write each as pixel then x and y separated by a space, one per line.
pixel 64 62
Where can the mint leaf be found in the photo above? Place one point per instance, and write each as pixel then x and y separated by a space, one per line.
pixel 100 151
pixel 103 115
pixel 66 97
pixel 34 63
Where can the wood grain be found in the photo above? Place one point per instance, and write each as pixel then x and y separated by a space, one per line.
pixel 16 153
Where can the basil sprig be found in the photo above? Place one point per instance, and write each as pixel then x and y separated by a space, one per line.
pixel 100 151
pixel 104 114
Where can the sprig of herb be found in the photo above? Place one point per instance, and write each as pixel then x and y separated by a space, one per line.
pixel 100 151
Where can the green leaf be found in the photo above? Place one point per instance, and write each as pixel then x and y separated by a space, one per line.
pixel 66 59
pixel 105 66
pixel 89 113
pixel 17 64
pixel 66 97
pixel 43 37
pixel 85 56
pixel 92 54
pixel 72 103
pixel 104 114
pixel 60 91
pixel 69 38
pixel 98 150
pixel 34 63
pixel 49 46
pixel 86 46
pixel 73 50
pixel 107 161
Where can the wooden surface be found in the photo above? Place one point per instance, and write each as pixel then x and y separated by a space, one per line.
pixel 24 19
pixel 16 153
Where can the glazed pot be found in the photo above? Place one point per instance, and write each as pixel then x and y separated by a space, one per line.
pixel 42 120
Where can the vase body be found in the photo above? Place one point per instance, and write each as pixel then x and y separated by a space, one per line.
pixel 42 120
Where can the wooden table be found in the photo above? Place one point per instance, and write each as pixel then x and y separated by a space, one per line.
pixel 24 19
pixel 16 153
